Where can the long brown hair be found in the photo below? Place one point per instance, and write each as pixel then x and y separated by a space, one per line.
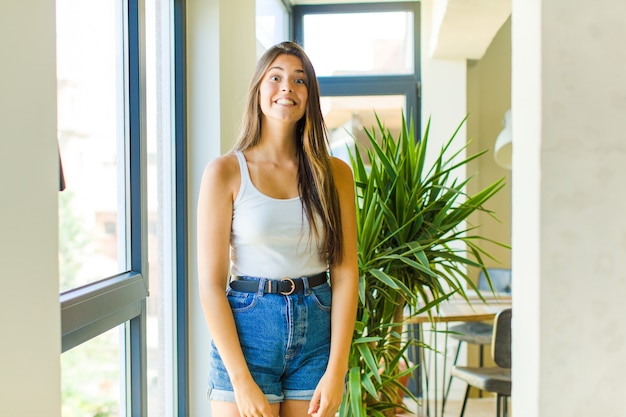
pixel 315 181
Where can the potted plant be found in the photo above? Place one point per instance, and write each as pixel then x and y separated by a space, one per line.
pixel 411 224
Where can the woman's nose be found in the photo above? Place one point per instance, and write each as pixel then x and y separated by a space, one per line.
pixel 286 86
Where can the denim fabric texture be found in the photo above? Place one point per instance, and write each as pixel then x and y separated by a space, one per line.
pixel 285 341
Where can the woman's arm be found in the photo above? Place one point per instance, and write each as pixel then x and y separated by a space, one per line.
pixel 220 183
pixel 344 283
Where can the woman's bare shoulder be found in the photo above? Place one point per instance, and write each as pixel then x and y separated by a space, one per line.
pixel 222 172
pixel 342 172
pixel 223 166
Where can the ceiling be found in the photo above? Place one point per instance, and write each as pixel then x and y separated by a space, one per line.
pixel 464 29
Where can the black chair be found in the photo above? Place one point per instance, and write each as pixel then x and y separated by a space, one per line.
pixel 495 379
pixel 479 333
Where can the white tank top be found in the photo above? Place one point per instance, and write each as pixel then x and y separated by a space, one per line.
pixel 269 236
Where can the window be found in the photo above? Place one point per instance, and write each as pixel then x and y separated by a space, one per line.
pixel 121 138
pixel 165 329
pixel 360 43
pixel 347 117
pixel 272 24
pixel 94 390
pixel 366 57
pixel 91 120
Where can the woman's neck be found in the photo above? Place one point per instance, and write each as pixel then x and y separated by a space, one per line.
pixel 277 141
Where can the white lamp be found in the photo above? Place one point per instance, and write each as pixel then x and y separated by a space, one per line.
pixel 503 149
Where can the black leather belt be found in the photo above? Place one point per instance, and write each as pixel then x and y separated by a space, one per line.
pixel 284 286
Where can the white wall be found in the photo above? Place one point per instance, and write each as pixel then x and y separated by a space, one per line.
pixel 221 54
pixel 29 291
pixel 444 87
pixel 525 235
pixel 569 200
pixel 489 97
pixel 444 102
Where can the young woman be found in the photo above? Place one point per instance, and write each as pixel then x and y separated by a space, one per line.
pixel 277 255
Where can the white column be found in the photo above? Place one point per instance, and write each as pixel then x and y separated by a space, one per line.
pixel 444 91
pixel 221 54
pixel 444 103
pixel 29 283
pixel 569 200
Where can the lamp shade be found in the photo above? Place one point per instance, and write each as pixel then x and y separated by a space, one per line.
pixel 503 149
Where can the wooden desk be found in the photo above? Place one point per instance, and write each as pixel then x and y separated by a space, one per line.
pixel 458 309
pixel 454 310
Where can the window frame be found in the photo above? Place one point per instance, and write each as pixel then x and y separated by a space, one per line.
pixel 408 85
pixel 181 206
pixel 87 310
pixel 92 309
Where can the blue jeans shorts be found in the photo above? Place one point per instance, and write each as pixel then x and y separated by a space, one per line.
pixel 285 340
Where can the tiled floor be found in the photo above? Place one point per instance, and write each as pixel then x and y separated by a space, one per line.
pixel 476 407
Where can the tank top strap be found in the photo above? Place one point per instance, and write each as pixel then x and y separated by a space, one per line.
pixel 245 175
pixel 243 166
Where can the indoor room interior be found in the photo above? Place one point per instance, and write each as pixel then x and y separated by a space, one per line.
pixel 110 110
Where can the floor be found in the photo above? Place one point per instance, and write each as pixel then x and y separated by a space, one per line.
pixel 476 407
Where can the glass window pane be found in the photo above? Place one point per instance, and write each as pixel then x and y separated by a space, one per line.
pixel 90 74
pixel 91 377
pixel 160 304
pixel 360 43
pixel 347 117
pixel 272 24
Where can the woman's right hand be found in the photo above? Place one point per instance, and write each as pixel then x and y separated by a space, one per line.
pixel 251 401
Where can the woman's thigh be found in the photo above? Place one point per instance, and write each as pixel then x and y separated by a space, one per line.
pixel 294 408
pixel 226 409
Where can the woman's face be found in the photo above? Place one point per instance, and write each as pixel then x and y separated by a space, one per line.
pixel 283 91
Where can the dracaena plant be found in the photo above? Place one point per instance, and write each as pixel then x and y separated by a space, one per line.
pixel 414 246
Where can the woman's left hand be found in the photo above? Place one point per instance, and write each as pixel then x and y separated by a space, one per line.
pixel 328 395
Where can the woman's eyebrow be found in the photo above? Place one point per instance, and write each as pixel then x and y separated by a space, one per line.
pixel 276 67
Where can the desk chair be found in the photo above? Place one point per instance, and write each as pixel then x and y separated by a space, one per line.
pixel 479 333
pixel 493 379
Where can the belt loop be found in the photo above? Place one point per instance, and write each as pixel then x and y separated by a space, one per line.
pixel 307 288
pixel 261 289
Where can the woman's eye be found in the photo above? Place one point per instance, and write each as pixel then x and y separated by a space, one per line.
pixel 299 81
pixel 275 78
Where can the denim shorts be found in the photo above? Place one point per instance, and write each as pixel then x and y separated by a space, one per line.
pixel 285 340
